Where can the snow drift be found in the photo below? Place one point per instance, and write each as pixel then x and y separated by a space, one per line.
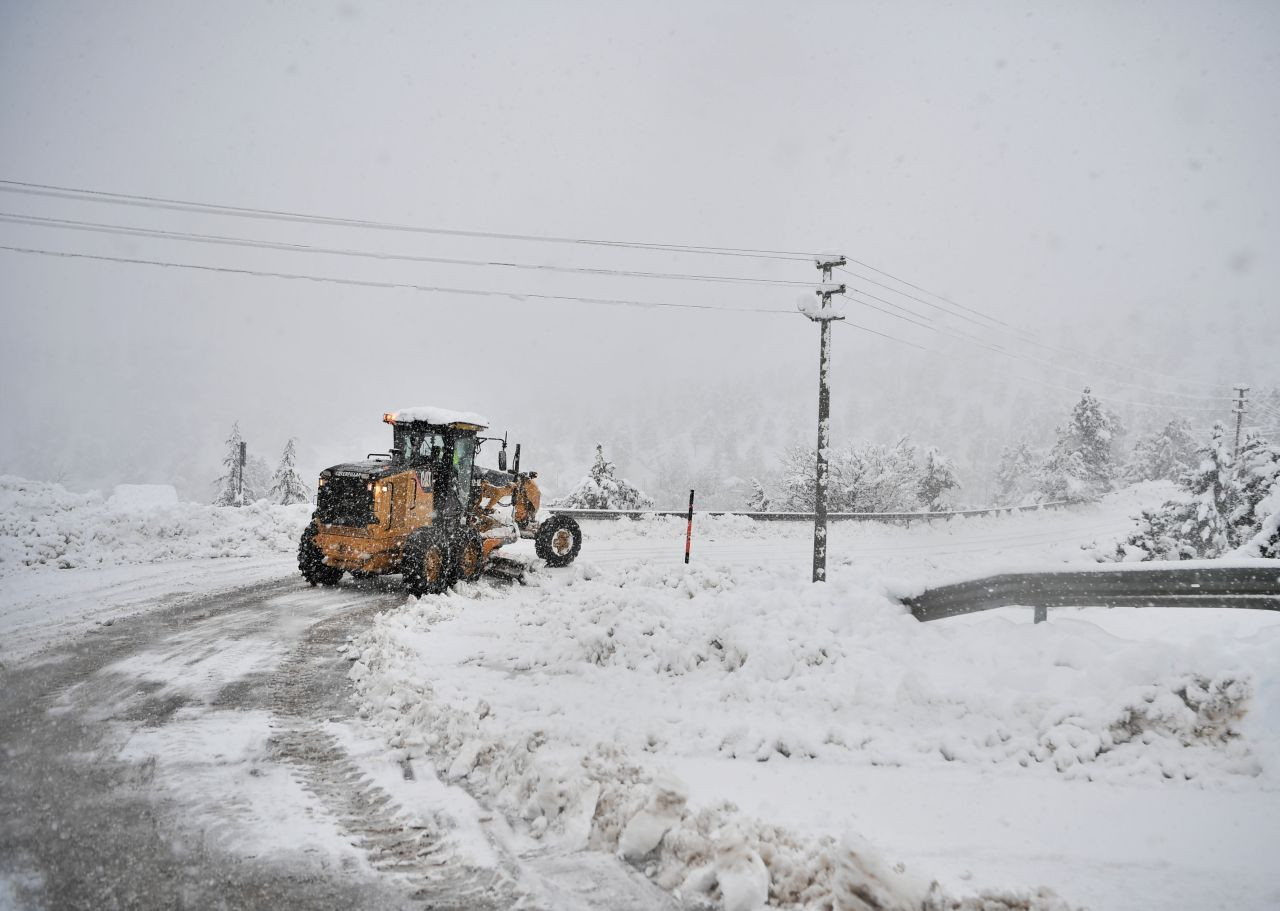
pixel 572 707
pixel 45 525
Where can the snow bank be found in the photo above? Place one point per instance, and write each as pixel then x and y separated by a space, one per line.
pixel 143 496
pixel 573 705
pixel 44 524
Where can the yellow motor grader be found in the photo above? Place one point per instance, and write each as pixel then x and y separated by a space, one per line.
pixel 427 511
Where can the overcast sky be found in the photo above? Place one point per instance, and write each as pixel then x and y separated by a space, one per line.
pixel 1103 166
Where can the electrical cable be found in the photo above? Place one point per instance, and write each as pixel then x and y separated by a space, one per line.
pixel 513 295
pixel 1027 337
pixel 1028 379
pixel 225 240
pixel 184 205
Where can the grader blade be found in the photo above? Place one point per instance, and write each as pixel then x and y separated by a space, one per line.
pixel 511 569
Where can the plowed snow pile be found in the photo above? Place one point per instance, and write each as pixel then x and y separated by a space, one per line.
pixel 585 705
pixel 45 525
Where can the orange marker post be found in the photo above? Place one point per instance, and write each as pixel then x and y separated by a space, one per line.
pixel 688 535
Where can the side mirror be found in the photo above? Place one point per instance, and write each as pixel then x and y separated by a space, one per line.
pixel 502 459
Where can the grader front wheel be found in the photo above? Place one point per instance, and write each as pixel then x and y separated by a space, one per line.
pixel 470 562
pixel 558 540
pixel 428 564
pixel 311 560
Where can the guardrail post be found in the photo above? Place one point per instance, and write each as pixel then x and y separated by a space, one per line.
pixel 1042 613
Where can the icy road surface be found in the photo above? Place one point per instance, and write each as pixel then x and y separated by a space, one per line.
pixel 205 755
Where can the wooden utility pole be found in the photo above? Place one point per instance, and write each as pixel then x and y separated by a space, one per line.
pixel 823 315
pixel 1239 410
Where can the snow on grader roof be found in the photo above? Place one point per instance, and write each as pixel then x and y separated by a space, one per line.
pixel 430 414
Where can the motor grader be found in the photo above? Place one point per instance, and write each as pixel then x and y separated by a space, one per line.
pixel 427 511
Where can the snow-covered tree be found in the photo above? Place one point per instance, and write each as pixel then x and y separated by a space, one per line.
pixel 1015 478
pixel 937 476
pixel 287 486
pixel 1255 521
pixel 257 478
pixel 1080 465
pixel 862 477
pixel 1164 455
pixel 228 494
pixel 796 479
pixel 603 489
pixel 1200 525
pixel 758 499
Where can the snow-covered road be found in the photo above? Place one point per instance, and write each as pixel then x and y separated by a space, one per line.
pixel 192 750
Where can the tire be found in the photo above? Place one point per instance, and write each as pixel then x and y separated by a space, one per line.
pixel 468 564
pixel 311 561
pixel 428 564
pixel 558 540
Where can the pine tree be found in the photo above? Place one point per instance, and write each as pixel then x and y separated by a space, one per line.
pixel 937 476
pixel 287 486
pixel 1080 466
pixel 1015 478
pixel 1164 455
pixel 228 494
pixel 1255 521
pixel 257 479
pixel 603 489
pixel 758 499
pixel 1199 526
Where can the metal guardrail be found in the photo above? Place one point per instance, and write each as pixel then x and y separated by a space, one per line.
pixel 904 517
pixel 1254 587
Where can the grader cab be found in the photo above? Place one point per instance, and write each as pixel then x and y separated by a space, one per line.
pixel 427 511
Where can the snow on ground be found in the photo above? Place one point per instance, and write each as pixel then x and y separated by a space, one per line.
pixel 736 731
pixel 740 734
pixel 70 560
pixel 44 524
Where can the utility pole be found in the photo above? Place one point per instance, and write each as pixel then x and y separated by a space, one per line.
pixel 823 314
pixel 1239 410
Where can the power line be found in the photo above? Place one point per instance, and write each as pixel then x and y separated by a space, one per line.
pixel 1029 379
pixel 926 291
pixel 964 337
pixel 992 346
pixel 1024 335
pixel 919 300
pixel 186 205
pixel 921 320
pixel 481 292
pixel 225 240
